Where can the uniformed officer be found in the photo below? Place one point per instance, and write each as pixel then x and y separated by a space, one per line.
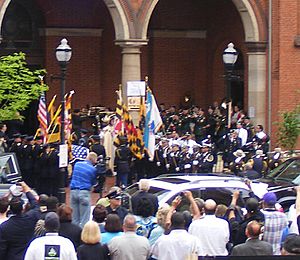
pixel 258 162
pixel 207 159
pixel 195 157
pixel 99 149
pixel 200 127
pixel 174 157
pixel 231 143
pixel 237 164
pixel 122 162
pixel 84 139
pixel 36 153
pixel 275 159
pixel 28 161
pixel 16 148
pixel 161 154
pixel 185 160
pixel 49 170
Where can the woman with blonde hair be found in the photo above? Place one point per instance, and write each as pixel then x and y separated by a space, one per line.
pixel 91 249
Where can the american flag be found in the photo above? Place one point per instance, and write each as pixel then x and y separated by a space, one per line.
pixel 42 115
pixel 79 153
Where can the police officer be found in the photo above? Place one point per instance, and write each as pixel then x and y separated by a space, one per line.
pixel 237 164
pixel 275 159
pixel 173 157
pixel 27 154
pixel 258 162
pixel 84 139
pixel 99 149
pixel 200 127
pixel 161 154
pixel 122 162
pixel 185 162
pixel 207 159
pixel 231 143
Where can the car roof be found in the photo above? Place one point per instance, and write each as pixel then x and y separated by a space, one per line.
pixel 178 182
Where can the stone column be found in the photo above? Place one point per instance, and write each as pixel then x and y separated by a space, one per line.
pixel 257 83
pixel 131 66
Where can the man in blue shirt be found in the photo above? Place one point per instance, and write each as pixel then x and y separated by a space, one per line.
pixel 83 178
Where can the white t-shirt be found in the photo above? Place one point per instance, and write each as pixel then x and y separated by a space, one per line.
pixel 51 246
pixel 213 234
pixel 178 245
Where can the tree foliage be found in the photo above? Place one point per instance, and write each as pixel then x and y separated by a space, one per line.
pixel 289 128
pixel 18 85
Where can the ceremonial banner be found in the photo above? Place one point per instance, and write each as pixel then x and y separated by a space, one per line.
pixel 152 124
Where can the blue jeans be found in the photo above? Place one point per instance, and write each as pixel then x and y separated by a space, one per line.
pixel 122 179
pixel 81 205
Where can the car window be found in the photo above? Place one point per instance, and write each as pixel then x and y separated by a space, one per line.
pixel 185 204
pixel 291 173
pixel 278 169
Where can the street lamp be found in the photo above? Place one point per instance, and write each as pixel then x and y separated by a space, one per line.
pixel 63 55
pixel 230 56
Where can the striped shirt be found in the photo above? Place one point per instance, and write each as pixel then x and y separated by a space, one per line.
pixel 275 223
pixel 84 176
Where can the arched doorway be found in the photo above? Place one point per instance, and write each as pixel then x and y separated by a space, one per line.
pixel 240 25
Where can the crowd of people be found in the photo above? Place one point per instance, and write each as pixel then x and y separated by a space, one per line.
pixel 191 141
pixel 42 228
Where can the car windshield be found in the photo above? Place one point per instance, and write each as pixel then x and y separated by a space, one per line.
pixel 291 173
pixel 278 169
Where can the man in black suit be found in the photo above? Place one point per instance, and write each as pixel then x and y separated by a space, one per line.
pixel 144 186
pixel 17 232
pixel 253 245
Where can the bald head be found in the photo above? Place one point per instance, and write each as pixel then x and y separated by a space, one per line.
pixel 253 229
pixel 210 206
pixel 129 223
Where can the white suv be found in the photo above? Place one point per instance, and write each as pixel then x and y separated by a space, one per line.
pixel 218 188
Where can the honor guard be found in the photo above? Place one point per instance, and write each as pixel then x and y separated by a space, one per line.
pixel 185 163
pixel 200 126
pixel 258 162
pixel 231 143
pixel 84 139
pixel 237 165
pixel 161 154
pixel 36 153
pixel 207 159
pixel 16 148
pixel 275 159
pixel 96 147
pixel 27 154
pixel 174 157
pixel 195 157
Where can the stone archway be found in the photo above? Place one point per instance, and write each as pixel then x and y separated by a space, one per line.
pixel 3 6
pixel 256 56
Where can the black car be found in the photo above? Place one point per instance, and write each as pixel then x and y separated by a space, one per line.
pixel 282 180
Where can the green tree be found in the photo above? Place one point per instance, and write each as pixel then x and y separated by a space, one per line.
pixel 18 85
pixel 289 128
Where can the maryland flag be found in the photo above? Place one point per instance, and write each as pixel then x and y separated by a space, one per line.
pixel 124 127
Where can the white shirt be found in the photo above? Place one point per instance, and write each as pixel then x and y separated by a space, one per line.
pixel 243 134
pixel 213 234
pixel 58 247
pixel 178 245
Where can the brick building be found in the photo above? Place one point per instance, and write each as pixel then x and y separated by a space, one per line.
pixel 178 44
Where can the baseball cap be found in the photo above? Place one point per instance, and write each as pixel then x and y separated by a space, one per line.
pixel 52 221
pixel 270 198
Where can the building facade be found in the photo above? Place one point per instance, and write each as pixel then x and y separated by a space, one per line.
pixel 177 44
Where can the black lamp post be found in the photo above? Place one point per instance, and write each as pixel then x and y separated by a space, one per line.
pixel 230 56
pixel 63 55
